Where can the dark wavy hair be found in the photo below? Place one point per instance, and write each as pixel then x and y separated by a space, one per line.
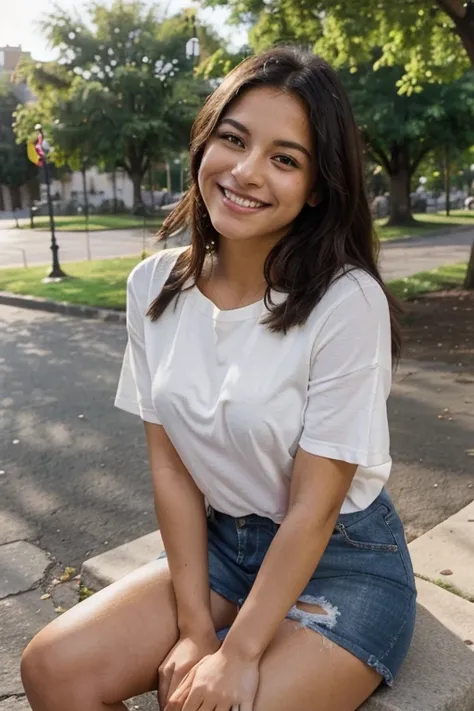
pixel 337 234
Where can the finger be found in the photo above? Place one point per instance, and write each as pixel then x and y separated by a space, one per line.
pixel 175 683
pixel 164 680
pixel 246 706
pixel 195 702
pixel 176 700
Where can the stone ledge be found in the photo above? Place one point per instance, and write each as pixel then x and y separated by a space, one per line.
pixel 438 674
pixel 455 613
pixel 108 567
pixel 448 546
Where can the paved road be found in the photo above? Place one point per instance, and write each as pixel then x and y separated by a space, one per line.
pixel 17 245
pixel 74 474
pixel 398 259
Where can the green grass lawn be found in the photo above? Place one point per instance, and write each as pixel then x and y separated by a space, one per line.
pixel 76 223
pixel 447 277
pixel 427 222
pixel 103 283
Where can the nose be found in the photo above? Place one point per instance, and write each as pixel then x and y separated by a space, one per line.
pixel 249 169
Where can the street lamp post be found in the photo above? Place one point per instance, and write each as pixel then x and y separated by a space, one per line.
pixel 56 271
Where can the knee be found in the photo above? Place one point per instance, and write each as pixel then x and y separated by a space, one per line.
pixel 46 666
pixel 37 665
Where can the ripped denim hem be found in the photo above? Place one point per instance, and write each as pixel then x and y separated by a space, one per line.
pixel 324 622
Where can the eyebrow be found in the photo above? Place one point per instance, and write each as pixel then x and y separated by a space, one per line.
pixel 284 144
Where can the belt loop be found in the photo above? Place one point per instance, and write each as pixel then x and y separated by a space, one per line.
pixel 211 514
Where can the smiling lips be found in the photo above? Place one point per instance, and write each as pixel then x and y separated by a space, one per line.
pixel 241 201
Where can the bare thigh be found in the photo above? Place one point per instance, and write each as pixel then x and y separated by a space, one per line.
pixel 117 638
pixel 303 670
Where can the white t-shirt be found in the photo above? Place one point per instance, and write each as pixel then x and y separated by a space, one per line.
pixel 236 400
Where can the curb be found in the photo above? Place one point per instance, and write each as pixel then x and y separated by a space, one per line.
pixel 63 307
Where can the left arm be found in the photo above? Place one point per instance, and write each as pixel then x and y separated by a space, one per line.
pixel 318 489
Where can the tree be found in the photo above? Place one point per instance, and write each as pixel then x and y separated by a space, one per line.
pixel 400 130
pixel 15 168
pixel 125 79
pixel 432 39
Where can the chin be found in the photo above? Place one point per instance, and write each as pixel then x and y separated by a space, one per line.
pixel 228 229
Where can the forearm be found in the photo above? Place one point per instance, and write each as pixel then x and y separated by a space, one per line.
pixel 181 513
pixel 288 566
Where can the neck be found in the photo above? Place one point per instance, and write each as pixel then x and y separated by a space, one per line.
pixel 240 263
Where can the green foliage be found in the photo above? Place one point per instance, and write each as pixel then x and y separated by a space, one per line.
pixel 438 116
pixel 122 92
pixel 15 168
pixel 423 36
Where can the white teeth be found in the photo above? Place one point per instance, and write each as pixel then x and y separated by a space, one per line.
pixel 241 201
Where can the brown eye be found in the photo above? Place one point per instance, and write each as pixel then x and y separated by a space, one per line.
pixel 231 138
pixel 286 160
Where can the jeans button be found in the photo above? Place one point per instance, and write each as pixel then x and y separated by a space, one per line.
pixel 240 522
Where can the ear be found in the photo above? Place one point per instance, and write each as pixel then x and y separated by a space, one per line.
pixel 313 199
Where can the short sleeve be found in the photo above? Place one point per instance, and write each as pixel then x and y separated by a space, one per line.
pixel 134 388
pixel 350 378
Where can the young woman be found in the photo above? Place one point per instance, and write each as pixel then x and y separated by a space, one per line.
pixel 260 360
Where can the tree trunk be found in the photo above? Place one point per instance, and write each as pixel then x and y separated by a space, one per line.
pixel 136 179
pixel 114 189
pixel 462 14
pixel 447 181
pixel 152 193
pixel 400 207
pixel 84 190
pixel 400 178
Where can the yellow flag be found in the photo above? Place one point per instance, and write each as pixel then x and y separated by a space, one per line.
pixel 33 153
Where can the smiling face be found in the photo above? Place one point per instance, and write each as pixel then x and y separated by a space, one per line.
pixel 258 166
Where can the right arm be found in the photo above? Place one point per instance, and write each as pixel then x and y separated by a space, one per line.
pixel 181 513
pixel 179 503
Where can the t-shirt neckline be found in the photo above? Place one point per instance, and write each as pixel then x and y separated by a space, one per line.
pixel 208 307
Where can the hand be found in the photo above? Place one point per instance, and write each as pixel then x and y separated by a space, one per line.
pixel 185 654
pixel 217 683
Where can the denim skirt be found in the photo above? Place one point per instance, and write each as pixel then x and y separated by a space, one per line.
pixel 364 581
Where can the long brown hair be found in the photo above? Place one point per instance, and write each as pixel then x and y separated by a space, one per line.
pixel 337 234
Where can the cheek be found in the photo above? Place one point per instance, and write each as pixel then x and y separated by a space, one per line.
pixel 294 193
